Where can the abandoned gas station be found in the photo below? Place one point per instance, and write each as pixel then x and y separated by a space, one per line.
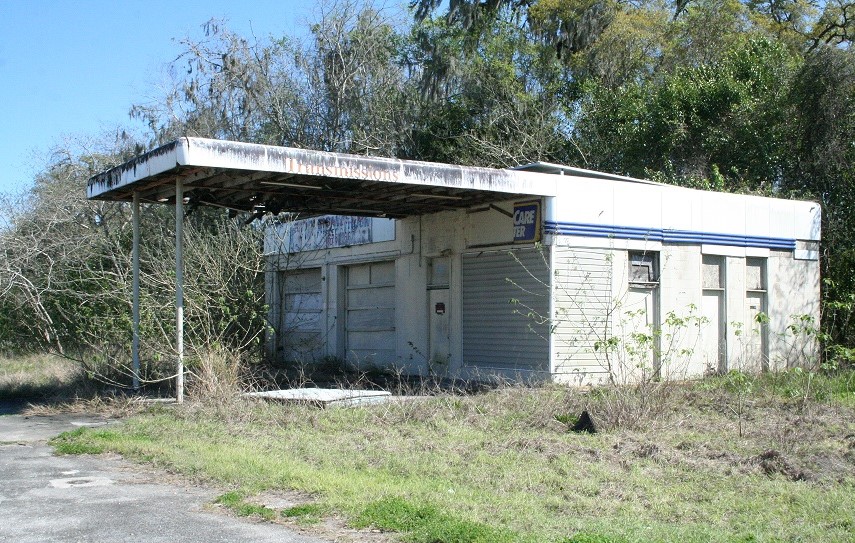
pixel 541 272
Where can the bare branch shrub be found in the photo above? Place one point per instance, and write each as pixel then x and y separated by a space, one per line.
pixel 66 273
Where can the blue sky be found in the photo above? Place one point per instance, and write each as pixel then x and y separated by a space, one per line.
pixel 72 68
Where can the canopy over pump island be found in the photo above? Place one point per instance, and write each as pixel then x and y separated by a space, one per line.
pixel 537 272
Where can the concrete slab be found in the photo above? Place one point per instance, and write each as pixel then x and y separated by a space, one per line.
pixel 107 499
pixel 324 397
pixel 24 429
pixel 46 498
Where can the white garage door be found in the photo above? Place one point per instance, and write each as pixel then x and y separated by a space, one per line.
pixel 370 314
pixel 299 328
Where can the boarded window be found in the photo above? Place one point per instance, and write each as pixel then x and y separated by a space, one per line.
pixel 713 272
pixel 438 273
pixel 643 268
pixel 755 274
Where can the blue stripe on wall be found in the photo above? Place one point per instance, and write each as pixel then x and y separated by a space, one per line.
pixel 665 235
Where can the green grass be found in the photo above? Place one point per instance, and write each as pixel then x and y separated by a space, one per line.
pixel 307 513
pixel 80 441
pixel 795 385
pixel 591 538
pixel 238 502
pixel 235 501
pixel 502 466
pixel 427 523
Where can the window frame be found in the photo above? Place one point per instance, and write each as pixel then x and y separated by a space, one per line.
pixel 653 273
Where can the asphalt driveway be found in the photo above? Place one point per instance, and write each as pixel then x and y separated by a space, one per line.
pixel 44 497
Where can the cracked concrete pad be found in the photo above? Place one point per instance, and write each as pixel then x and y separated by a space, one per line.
pixel 49 498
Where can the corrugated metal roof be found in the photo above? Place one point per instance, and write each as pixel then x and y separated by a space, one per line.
pixel 558 169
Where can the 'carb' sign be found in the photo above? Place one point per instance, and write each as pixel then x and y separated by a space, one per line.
pixel 527 221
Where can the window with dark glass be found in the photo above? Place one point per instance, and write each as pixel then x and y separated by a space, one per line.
pixel 643 268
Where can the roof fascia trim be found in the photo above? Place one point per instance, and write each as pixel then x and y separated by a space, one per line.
pixel 159 160
pixel 560 169
pixel 232 155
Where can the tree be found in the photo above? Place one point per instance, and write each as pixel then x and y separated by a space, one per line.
pixel 66 271
pixel 497 107
pixel 60 251
pixel 344 90
pixel 724 121
pixel 821 154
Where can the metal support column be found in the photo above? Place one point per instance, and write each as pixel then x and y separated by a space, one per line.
pixel 179 289
pixel 135 264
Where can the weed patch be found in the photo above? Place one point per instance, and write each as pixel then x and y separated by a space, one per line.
pixel 82 441
pixel 503 465
pixel 40 377
pixel 427 524
pixel 591 538
pixel 307 513
pixel 235 502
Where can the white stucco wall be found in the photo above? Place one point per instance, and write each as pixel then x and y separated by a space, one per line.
pixel 590 295
pixel 610 208
pixel 582 275
pixel 416 241
pixel 794 293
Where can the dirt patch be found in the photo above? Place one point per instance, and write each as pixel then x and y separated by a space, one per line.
pixel 772 462
pixel 332 527
pixel 336 529
pixel 648 450
pixel 282 499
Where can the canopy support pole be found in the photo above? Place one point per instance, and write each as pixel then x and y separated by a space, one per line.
pixel 179 289
pixel 135 264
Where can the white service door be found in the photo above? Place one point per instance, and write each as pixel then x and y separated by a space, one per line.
pixel 712 341
pixel 639 356
pixel 439 307
pixel 753 336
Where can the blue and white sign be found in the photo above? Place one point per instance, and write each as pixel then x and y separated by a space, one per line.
pixel 527 221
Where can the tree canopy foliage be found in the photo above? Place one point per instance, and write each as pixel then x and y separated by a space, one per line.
pixel 735 95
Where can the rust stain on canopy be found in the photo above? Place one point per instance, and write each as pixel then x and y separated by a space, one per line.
pixel 263 178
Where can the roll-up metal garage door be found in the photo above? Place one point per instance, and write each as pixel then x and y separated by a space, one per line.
pixel 299 327
pixel 505 296
pixel 370 314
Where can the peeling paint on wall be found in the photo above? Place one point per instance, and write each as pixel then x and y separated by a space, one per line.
pixel 327 232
